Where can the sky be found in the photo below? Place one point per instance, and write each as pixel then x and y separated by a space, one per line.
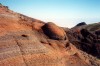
pixel 65 13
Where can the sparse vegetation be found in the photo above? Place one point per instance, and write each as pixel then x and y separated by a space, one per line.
pixel 93 27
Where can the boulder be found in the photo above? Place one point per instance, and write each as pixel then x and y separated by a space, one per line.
pixel 53 31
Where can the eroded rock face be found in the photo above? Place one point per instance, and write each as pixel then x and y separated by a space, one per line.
pixel 86 40
pixel 53 31
pixel 23 43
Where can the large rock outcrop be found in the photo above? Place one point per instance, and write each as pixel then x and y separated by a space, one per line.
pixel 86 40
pixel 53 31
pixel 23 43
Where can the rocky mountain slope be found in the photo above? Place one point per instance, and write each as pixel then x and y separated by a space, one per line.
pixel 26 41
pixel 86 38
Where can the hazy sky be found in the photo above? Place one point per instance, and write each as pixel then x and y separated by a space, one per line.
pixel 65 13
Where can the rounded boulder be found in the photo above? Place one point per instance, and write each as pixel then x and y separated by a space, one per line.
pixel 53 31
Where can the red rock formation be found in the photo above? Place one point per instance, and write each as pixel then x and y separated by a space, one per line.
pixel 53 31
pixel 22 43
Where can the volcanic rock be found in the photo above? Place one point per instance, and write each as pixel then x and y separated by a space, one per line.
pixel 85 40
